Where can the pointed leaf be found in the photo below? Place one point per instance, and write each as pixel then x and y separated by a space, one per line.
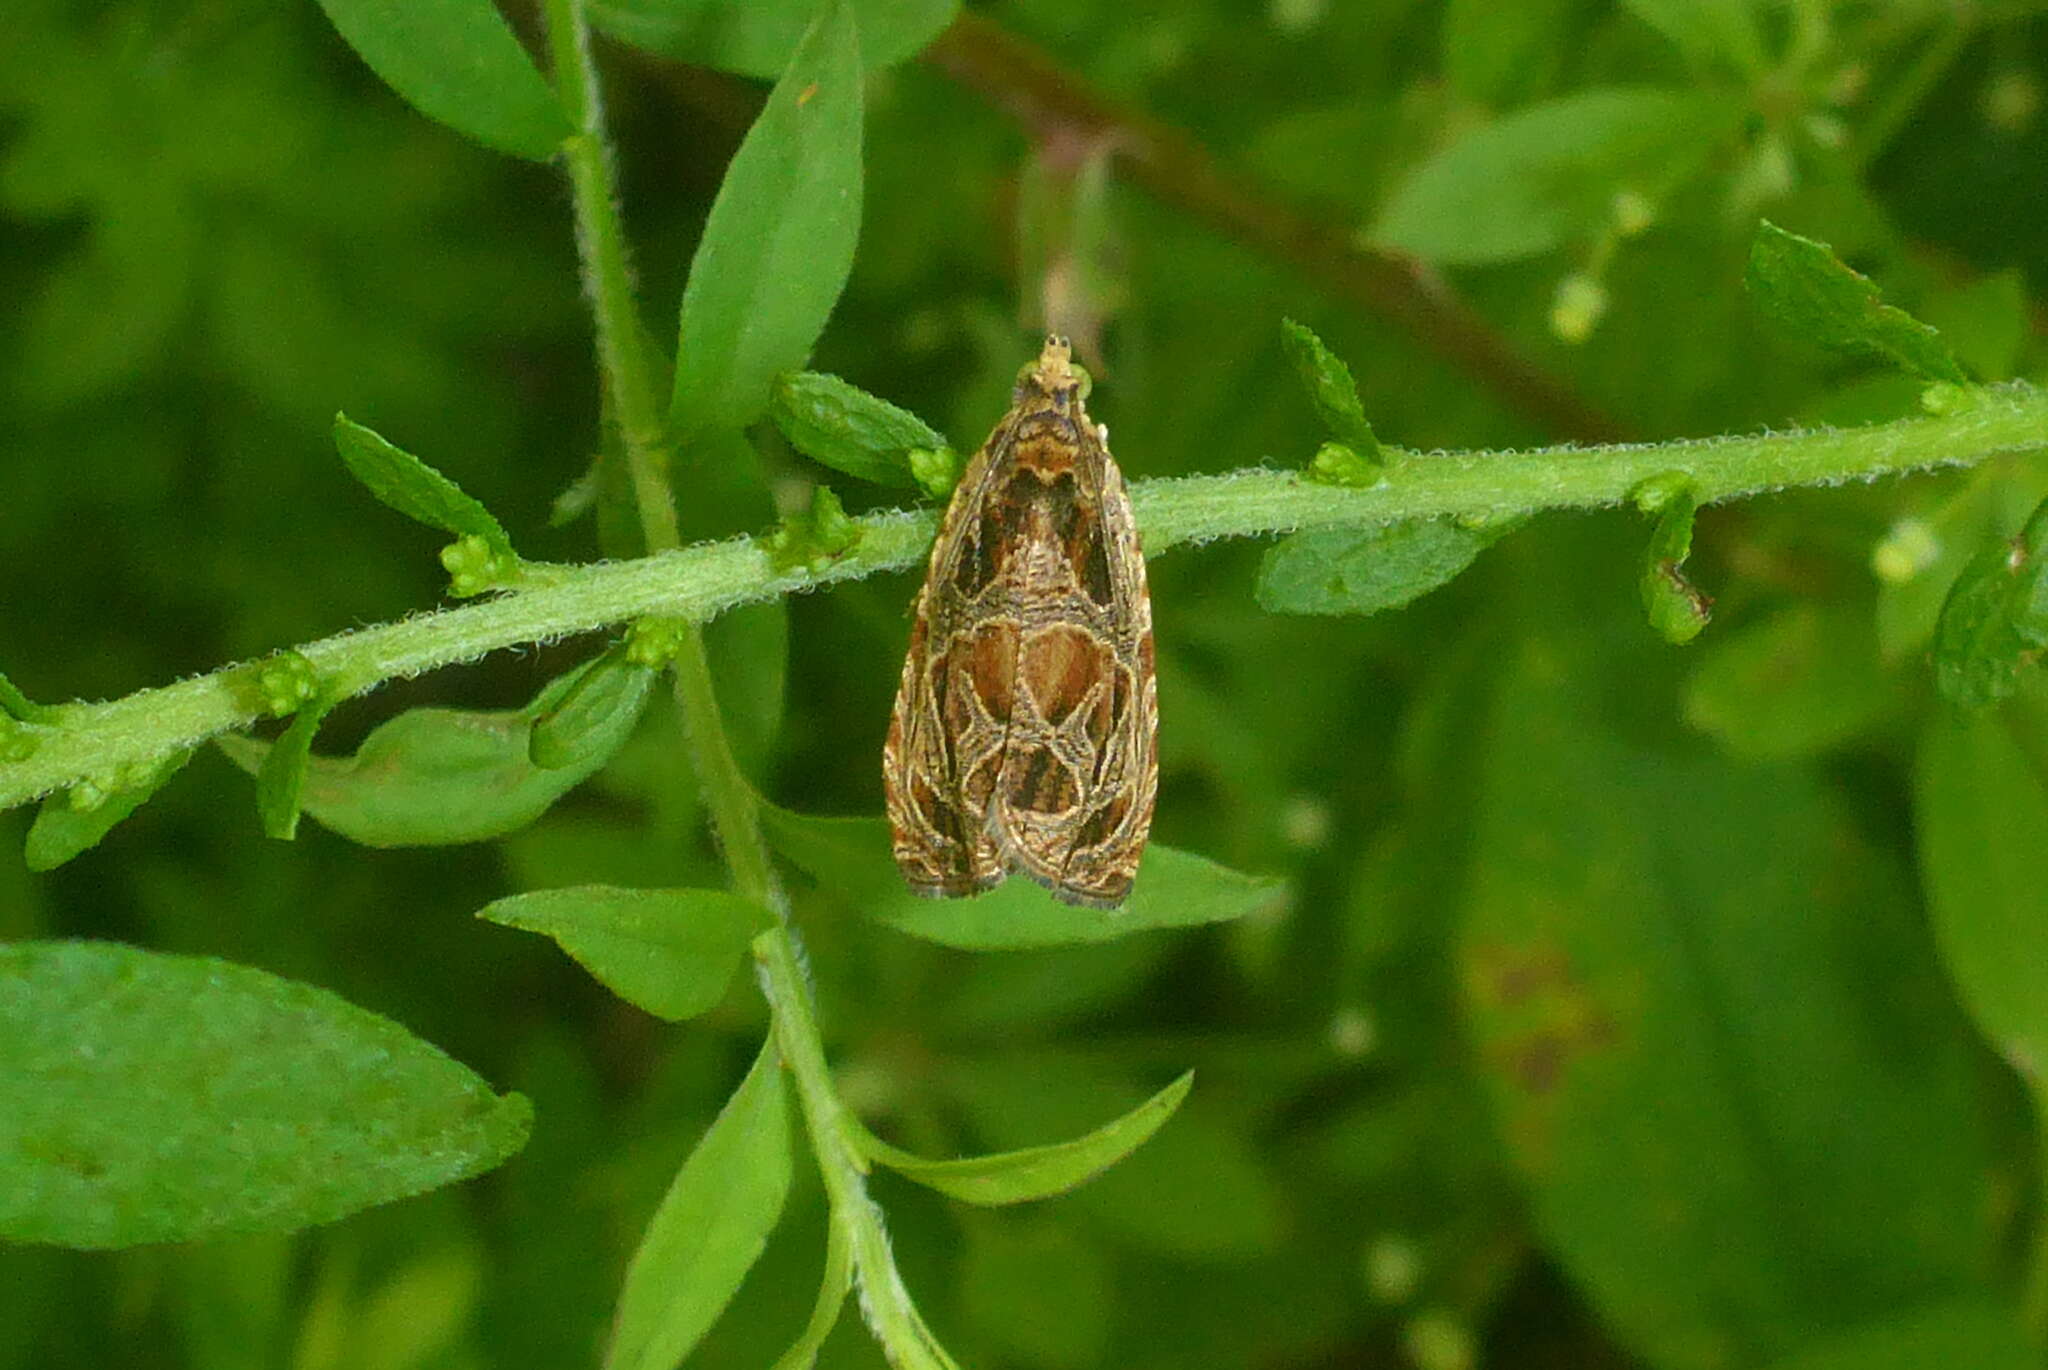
pixel 456 61
pixel 413 488
pixel 63 828
pixel 583 728
pixel 1808 291
pixel 779 241
pixel 756 37
pixel 282 777
pixel 670 952
pixel 847 429
pixel 155 1098
pixel 433 777
pixel 710 1228
pixel 1332 391
pixel 833 1288
pixel 1174 889
pixel 1368 570
pixel 1038 1172
pixel 1994 622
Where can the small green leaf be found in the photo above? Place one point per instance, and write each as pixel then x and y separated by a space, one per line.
pixel 456 61
pixel 1197 1190
pixel 710 1228
pixel 756 37
pixel 847 429
pixel 833 1287
pixel 1676 608
pixel 819 535
pixel 155 1098
pixel 282 776
pixel 413 488
pixel 779 241
pixel 598 705
pixel 1368 570
pixel 670 952
pixel 1804 288
pixel 936 470
pixel 1331 389
pixel 286 682
pixel 1038 1172
pixel 1174 889
pixel 1799 681
pixel 1336 464
pixel 433 777
pixel 75 820
pixel 1995 620
pixel 1980 804
pixel 1535 179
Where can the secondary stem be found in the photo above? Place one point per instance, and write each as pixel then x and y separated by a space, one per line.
pixel 697 583
pixel 730 799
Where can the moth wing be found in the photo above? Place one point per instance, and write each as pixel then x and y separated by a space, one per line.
pixel 940 844
pixel 1073 808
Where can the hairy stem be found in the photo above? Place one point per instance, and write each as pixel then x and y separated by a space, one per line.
pixel 696 583
pixel 734 809
pixel 885 1303
pixel 1032 88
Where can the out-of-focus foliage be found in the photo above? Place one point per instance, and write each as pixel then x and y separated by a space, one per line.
pixel 1630 1006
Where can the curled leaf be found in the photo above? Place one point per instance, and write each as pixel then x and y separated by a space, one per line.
pixel 1037 1172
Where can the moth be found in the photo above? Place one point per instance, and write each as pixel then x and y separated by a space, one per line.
pixel 1025 732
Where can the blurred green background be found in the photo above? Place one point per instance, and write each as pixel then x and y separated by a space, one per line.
pixel 1605 1025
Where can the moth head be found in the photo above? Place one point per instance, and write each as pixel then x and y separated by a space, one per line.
pixel 1054 373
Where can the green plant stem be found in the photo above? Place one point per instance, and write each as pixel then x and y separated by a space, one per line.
pixel 90 741
pixel 885 1302
pixel 734 809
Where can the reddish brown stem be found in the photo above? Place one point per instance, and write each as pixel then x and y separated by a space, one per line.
pixel 1053 103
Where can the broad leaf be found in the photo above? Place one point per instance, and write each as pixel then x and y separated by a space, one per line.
pixel 1174 889
pixel 710 1228
pixel 457 62
pixel 1980 803
pixel 671 952
pixel 756 37
pixel 1535 179
pixel 779 241
pixel 413 488
pixel 847 429
pixel 73 821
pixel 1368 570
pixel 155 1098
pixel 1681 976
pixel 1038 1172
pixel 1809 292
pixel 432 777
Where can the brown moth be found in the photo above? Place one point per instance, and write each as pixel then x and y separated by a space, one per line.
pixel 1025 733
